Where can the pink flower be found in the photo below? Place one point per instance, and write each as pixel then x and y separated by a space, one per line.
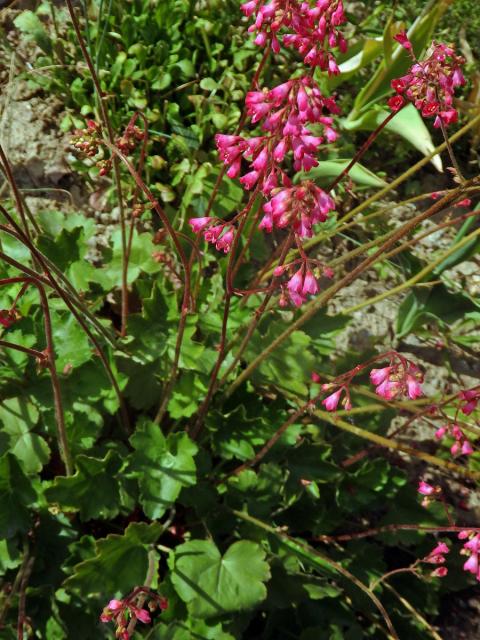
pixel 377 376
pixel 249 179
pixel 414 388
pixel 471 565
pixel 225 241
pixel 295 284
pixel 314 377
pixel 388 389
pixel 430 84
pixel 199 224
pixel 439 433
pixel 212 234
pixel 331 402
pixel 142 615
pixel 115 605
pixel 310 285
pixel 396 103
pixel 425 489
pixel 402 38
pixel 467 448
pixel 440 549
pixel 439 572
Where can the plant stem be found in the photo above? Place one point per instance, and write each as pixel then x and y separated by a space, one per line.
pixel 36 255
pixel 394 445
pixel 151 571
pixel 312 307
pixel 115 164
pixel 276 436
pixel 17 195
pixel 226 311
pixel 365 146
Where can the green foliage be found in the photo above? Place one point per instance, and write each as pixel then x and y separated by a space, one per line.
pixel 119 562
pixel 212 584
pixel 162 466
pixel 238 552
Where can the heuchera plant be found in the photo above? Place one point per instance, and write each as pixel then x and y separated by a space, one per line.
pixel 205 486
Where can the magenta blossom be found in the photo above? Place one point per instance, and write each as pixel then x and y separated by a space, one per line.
pixel 399 378
pixel 331 402
pixel 430 84
pixel 425 489
pixel 311 30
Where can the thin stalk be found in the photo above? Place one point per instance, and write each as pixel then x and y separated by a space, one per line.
pixel 256 318
pixel 313 306
pixel 74 297
pixel 22 593
pixel 186 303
pixel 393 528
pixel 78 316
pixel 222 349
pixel 49 358
pixel 365 146
pixel 276 436
pixel 38 355
pixel 394 445
pixel 414 612
pixel 17 196
pixel 115 164
pixel 319 237
pixel 416 278
pixel 412 170
pixel 151 571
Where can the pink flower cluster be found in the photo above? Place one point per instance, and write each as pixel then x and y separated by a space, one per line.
pixel 298 207
pixel 437 556
pixel 399 378
pixel 121 612
pixel 311 30
pixel 301 281
pixel 471 398
pixel 461 446
pixel 215 231
pixel 285 112
pixel 472 549
pixel 431 83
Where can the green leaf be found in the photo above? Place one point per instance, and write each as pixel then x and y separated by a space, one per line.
pixel 16 494
pixel 120 562
pixel 141 260
pixel 18 418
pixel 71 344
pixel 407 123
pixel 30 25
pixel 436 303
pixel 162 466
pixel 93 490
pixel 212 584
pixel 328 170
pixel 289 366
pixel 189 630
